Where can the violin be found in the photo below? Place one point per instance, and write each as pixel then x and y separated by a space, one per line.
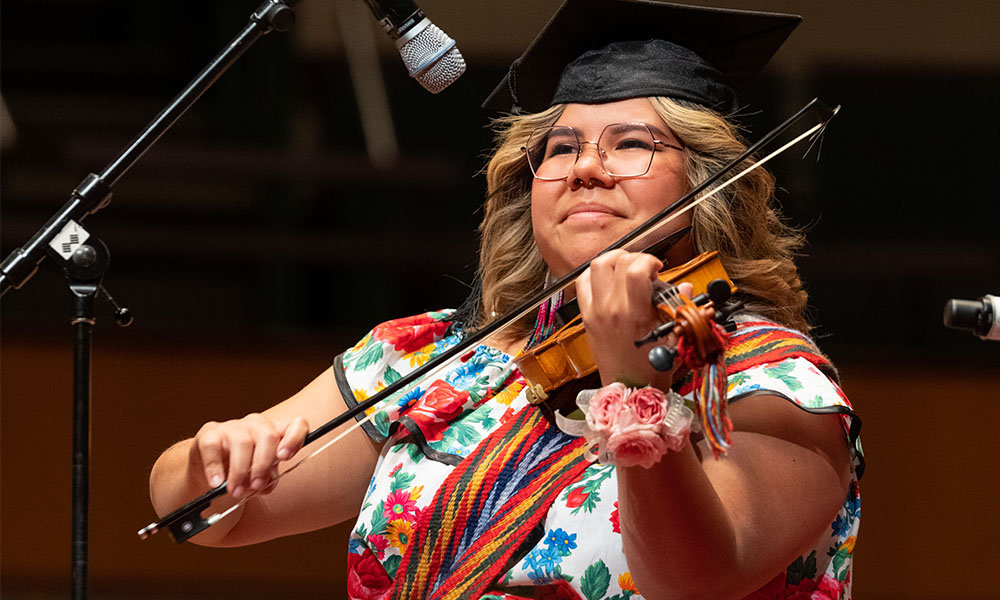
pixel 566 356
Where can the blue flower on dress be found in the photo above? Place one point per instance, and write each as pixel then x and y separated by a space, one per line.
pixel 560 541
pixel 845 520
pixel 445 343
pixel 459 450
pixel 355 546
pixel 841 526
pixel 466 375
pixel 853 507
pixel 409 397
pixel 548 558
pixel 746 388
pixel 542 563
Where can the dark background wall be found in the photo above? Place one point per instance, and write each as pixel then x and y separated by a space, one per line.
pixel 257 239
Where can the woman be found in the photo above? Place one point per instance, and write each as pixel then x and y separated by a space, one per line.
pixel 477 496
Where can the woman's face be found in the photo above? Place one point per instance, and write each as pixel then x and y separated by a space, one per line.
pixel 577 217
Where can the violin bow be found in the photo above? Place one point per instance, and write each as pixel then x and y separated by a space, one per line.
pixel 187 520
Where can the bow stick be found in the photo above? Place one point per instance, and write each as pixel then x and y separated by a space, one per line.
pixel 186 521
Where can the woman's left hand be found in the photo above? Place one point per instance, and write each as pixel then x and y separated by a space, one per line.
pixel 615 296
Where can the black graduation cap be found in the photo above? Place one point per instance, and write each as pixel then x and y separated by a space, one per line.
pixel 594 51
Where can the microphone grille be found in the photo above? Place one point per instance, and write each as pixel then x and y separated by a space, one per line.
pixel 432 58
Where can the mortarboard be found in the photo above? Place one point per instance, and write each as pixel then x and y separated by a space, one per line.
pixel 594 51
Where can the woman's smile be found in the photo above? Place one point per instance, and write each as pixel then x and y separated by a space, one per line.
pixel 576 217
pixel 591 211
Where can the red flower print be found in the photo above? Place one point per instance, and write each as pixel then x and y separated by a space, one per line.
pixel 436 408
pixel 576 497
pixel 558 590
pixel 399 505
pixel 614 519
pixel 410 333
pixel 807 589
pixel 395 470
pixel 366 579
pixel 829 587
pixel 379 543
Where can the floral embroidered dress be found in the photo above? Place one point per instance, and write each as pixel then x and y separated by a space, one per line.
pixel 576 551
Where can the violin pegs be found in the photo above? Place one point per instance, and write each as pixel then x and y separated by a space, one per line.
pixel 662 358
pixel 719 291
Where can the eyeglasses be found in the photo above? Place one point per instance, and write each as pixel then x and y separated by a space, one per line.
pixel 625 150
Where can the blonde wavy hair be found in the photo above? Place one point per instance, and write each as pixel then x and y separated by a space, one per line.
pixel 740 222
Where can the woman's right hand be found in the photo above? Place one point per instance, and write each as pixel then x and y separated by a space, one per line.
pixel 248 453
pixel 245 452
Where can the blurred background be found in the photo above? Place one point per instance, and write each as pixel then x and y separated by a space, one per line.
pixel 316 190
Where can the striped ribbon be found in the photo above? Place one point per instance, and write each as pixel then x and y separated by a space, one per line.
pixel 761 342
pixel 486 508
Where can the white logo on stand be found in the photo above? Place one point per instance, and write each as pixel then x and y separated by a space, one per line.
pixel 69 239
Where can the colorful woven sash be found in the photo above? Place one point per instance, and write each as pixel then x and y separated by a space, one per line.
pixel 761 342
pixel 486 508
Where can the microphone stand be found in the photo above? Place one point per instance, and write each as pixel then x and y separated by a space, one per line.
pixel 85 258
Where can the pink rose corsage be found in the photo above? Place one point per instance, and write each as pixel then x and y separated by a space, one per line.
pixel 631 426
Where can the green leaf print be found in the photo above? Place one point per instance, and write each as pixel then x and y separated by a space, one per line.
pixel 596 580
pixel 463 433
pixel 351 356
pixel 840 561
pixel 799 570
pixel 381 422
pixel 390 376
pixel 481 416
pixel 782 371
pixel 414 451
pixel 379 521
pixel 391 565
pixel 816 402
pixel 738 379
pixel 401 481
pixel 370 355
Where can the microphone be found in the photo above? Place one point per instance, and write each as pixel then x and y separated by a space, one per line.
pixel 429 54
pixel 978 316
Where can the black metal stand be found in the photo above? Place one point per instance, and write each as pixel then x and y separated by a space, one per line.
pixel 85 260
pixel 94 192
pixel 84 270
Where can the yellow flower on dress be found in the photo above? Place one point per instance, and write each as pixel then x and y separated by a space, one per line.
pixel 361 343
pixel 400 533
pixel 626 584
pixel 507 395
pixel 848 544
pixel 415 492
pixel 419 357
pixel 360 396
